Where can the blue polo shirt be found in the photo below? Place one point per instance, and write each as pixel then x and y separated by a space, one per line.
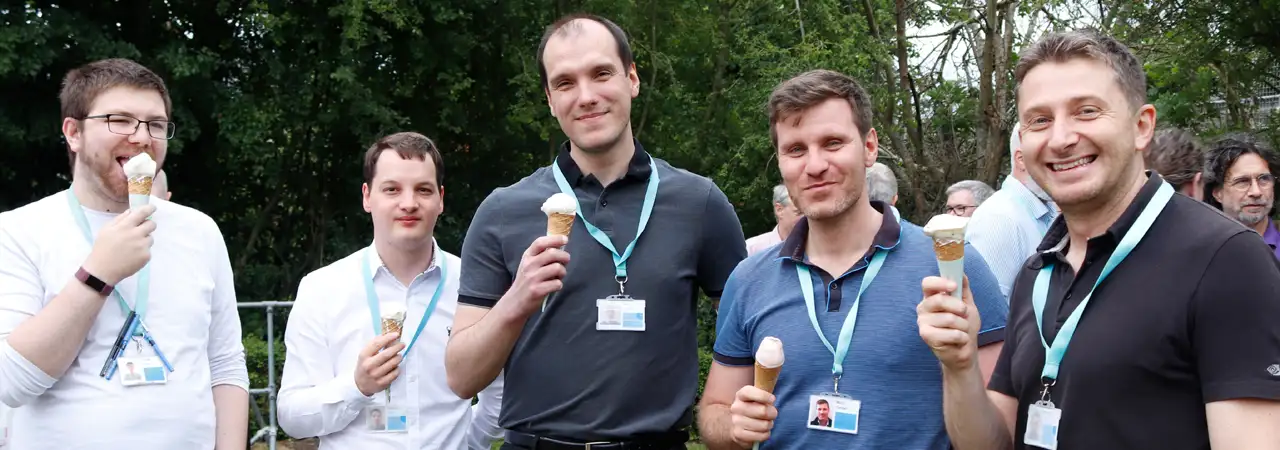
pixel 889 368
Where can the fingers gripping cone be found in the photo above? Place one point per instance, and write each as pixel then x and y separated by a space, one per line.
pixel 769 359
pixel 947 232
pixel 392 322
pixel 561 210
pixel 140 171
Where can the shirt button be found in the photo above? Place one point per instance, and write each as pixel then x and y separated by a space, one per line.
pixel 413 378
pixel 604 203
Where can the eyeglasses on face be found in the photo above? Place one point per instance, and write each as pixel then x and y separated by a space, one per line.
pixel 127 125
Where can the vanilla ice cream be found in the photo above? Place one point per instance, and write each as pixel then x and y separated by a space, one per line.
pixel 769 354
pixel 140 170
pixel 560 209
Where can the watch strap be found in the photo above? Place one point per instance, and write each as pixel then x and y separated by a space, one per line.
pixel 93 282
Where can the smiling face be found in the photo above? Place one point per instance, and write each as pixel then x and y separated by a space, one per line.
pixel 101 153
pixel 404 200
pixel 589 88
pixel 1080 136
pixel 824 158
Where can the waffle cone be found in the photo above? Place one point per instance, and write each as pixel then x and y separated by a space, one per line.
pixel 949 250
pixel 559 224
pixel 391 326
pixel 140 186
pixel 766 377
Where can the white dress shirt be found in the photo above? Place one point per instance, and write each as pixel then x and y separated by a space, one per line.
pixel 763 241
pixel 1007 228
pixel 330 324
pixel 191 314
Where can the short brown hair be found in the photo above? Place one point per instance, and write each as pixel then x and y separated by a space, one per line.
pixel 82 86
pixel 409 145
pixel 1176 155
pixel 572 23
pixel 1089 44
pixel 811 88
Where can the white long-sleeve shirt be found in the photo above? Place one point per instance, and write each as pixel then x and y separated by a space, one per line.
pixel 191 314
pixel 329 325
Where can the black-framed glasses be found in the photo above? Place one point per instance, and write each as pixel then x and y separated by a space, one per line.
pixel 959 210
pixel 126 125
pixel 1243 183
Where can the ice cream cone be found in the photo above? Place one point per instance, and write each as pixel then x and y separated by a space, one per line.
pixel 559 224
pixel 140 170
pixel 948 232
pixel 390 325
pixel 766 377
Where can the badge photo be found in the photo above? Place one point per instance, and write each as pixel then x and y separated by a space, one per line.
pixel 618 313
pixel 141 371
pixel 834 413
pixel 375 418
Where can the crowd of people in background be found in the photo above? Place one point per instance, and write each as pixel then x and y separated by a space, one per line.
pixel 587 338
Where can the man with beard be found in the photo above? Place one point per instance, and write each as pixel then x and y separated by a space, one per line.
pixel 849 263
pixel 76 266
pixel 1242 183
pixel 1146 320
pixel 1007 227
pixel 646 237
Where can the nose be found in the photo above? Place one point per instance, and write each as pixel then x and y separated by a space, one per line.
pixel 587 96
pixel 140 136
pixel 408 202
pixel 1062 136
pixel 1255 188
pixel 815 163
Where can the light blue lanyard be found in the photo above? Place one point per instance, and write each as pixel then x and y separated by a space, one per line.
pixel 375 311
pixel 851 320
pixel 144 276
pixel 1040 291
pixel 650 195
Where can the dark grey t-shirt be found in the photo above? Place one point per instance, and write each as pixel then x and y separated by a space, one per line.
pixel 564 378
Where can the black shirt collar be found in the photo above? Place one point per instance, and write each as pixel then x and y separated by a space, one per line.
pixel 637 169
pixel 886 238
pixel 1053 243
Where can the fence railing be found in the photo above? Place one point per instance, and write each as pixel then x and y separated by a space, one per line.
pixel 266 428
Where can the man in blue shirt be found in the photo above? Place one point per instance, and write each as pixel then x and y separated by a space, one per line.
pixel 849 258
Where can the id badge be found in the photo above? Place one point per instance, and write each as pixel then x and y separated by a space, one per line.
pixel 828 412
pixel 620 313
pixel 386 419
pixel 1042 425
pixel 141 371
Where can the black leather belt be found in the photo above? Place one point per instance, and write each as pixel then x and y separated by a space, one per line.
pixel 665 441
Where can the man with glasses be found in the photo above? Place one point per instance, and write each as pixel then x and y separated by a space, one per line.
pixel 77 271
pixel 1241 181
pixel 964 197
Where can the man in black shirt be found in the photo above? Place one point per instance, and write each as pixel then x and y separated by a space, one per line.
pixel 1159 313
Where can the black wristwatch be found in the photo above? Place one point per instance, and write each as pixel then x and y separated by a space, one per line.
pixel 93 282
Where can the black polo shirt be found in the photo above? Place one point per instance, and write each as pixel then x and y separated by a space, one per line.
pixel 1191 317
pixel 566 380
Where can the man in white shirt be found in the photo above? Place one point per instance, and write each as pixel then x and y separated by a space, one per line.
pixel 1007 227
pixel 78 264
pixel 359 388
pixel 786 214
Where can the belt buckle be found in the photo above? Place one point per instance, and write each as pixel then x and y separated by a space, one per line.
pixel 588 445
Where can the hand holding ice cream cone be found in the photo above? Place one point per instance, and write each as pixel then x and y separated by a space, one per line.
pixel 140 171
pixel 949 325
pixel 561 210
pixel 753 410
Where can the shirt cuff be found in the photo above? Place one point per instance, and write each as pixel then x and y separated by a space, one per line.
pixel 348 393
pixel 477 301
pixel 733 361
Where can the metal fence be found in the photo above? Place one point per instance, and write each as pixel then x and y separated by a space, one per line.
pixel 266 427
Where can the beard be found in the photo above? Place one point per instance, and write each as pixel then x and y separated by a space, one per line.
pixel 1251 219
pixel 832 208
